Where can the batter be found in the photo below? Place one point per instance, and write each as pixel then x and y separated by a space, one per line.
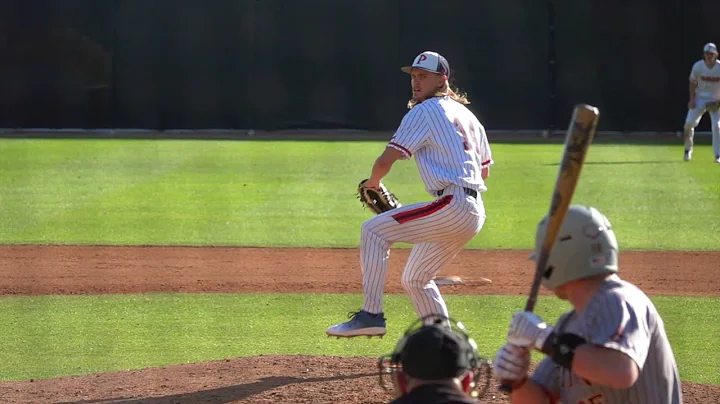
pixel 611 348
pixel 453 156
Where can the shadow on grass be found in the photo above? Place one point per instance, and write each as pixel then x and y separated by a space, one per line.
pixel 223 394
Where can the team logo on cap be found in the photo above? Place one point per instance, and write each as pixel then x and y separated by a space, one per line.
pixel 598 261
pixel 421 58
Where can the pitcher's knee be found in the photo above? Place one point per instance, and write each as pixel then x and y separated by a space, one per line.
pixel 411 282
pixel 370 234
pixel 689 126
pixel 369 229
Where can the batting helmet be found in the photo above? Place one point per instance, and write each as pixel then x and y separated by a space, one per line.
pixel 585 246
pixel 435 348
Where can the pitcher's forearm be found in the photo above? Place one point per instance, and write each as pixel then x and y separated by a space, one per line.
pixel 379 170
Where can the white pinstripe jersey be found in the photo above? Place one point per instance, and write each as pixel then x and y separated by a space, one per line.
pixel 449 144
pixel 619 316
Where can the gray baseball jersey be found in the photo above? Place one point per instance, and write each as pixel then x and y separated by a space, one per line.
pixel 619 316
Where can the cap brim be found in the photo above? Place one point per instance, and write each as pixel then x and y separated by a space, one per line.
pixel 408 69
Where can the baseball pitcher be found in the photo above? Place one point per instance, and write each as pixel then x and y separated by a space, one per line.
pixel 611 348
pixel 704 97
pixel 453 157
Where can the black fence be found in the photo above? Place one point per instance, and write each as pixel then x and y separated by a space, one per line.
pixel 277 64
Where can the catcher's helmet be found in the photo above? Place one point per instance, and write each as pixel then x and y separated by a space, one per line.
pixel 585 246
pixel 435 348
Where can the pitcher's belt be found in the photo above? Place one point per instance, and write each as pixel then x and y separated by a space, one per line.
pixel 468 191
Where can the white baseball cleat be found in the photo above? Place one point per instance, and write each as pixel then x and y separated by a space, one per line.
pixel 688 155
pixel 361 323
pixel 717 158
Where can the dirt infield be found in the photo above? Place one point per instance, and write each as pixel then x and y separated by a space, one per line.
pixel 39 270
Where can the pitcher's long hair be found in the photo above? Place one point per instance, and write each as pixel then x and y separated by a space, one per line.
pixel 445 90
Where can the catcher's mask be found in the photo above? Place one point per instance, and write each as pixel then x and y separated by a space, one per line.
pixel 435 348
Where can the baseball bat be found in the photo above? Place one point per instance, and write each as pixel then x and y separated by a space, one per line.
pixel 580 134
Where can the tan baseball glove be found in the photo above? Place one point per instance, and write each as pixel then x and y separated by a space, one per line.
pixel 379 199
pixel 712 106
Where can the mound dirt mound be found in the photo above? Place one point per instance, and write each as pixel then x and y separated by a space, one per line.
pixel 38 270
pixel 261 379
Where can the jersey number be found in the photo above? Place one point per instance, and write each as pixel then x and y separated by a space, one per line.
pixel 469 142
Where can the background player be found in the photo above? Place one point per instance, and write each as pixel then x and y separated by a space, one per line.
pixel 453 157
pixel 611 348
pixel 704 89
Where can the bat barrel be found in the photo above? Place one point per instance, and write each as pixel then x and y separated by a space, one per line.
pixel 588 107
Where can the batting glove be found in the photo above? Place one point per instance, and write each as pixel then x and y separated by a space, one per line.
pixel 527 329
pixel 511 364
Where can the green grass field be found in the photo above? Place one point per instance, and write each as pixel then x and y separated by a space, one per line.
pixel 62 335
pixel 302 194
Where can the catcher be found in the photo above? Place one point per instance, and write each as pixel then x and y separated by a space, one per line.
pixel 435 363
pixel 610 348
pixel 453 156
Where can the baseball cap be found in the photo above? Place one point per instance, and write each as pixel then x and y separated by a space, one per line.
pixel 430 61
pixel 710 47
pixel 435 352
